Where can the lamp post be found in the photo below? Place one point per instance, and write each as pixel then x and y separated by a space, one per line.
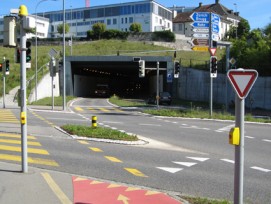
pixel 64 58
pixel 236 21
pixel 36 48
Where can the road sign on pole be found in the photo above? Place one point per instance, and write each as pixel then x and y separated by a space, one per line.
pixel 200 16
pixel 242 81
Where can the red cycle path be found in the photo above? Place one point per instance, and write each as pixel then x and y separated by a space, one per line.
pixel 95 192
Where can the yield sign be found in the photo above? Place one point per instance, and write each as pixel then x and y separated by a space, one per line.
pixel 242 80
pixel 212 51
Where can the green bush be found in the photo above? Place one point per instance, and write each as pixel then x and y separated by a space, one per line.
pixel 165 35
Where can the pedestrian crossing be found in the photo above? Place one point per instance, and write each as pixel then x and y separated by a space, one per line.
pixel 6 116
pixel 98 109
pixel 10 150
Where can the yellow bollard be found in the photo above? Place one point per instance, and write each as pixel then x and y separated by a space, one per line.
pixel 94 121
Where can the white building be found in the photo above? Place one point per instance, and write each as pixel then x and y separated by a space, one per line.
pixel 151 15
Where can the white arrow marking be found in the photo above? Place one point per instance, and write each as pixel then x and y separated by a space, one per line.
pixel 188 164
pixel 227 160
pixel 198 158
pixel 171 170
pixel 260 169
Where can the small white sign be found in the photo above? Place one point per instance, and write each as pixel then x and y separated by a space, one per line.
pixel 201 35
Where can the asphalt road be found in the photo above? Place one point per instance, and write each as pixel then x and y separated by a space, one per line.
pixel 188 156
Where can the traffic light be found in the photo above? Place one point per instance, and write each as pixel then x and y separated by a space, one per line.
pixel 1 66
pixel 18 55
pixel 213 66
pixel 28 51
pixel 141 68
pixel 7 67
pixel 176 67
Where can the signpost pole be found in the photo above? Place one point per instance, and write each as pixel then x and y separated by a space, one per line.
pixel 211 78
pixel 239 152
pixel 157 86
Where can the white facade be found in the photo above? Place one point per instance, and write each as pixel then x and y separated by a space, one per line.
pixel 151 15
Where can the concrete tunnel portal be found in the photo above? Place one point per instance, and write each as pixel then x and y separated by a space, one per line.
pixel 120 73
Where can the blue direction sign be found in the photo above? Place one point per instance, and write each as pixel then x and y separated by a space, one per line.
pixel 200 25
pixel 215 28
pixel 215 18
pixel 200 16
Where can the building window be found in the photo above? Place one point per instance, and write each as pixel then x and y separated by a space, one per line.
pixel 114 21
pixel 180 27
pixel 126 21
pixel 131 20
pixel 121 20
pixel 108 21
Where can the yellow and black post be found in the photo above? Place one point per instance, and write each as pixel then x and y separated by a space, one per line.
pixel 94 121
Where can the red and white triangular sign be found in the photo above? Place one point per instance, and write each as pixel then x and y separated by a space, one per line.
pixel 212 51
pixel 242 80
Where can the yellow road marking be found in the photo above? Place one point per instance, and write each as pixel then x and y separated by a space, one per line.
pixel 113 159
pixel 91 109
pixel 78 109
pixel 95 182
pixel 152 193
pixel 118 110
pixel 135 172
pixel 30 160
pixel 18 149
pixel 19 142
pixel 56 189
pixel 112 185
pixel 95 149
pixel 104 110
pixel 83 142
pixel 132 189
pixel 15 136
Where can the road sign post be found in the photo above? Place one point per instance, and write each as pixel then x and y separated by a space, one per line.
pixel 242 82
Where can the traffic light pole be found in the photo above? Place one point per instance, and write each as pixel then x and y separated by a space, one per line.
pixel 4 80
pixel 211 78
pixel 23 97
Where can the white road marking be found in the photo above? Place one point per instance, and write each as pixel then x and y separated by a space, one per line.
pixel 228 160
pixel 249 137
pixel 170 170
pixel 145 124
pixel 225 129
pixel 188 164
pixel 112 122
pixel 202 159
pixel 260 169
pixel 266 140
pixel 65 119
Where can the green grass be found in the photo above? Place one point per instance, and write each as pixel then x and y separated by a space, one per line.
pixel 58 101
pixel 98 132
pixel 198 200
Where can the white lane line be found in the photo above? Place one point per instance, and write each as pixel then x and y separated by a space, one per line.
pixel 145 124
pixel 225 129
pixel 65 119
pixel 227 160
pixel 250 137
pixel 265 140
pixel 260 169
pixel 112 122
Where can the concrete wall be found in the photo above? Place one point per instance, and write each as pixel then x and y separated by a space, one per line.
pixel 195 85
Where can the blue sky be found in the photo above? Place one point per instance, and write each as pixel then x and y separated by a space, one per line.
pixel 257 12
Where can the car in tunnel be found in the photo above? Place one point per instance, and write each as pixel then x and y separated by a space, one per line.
pixel 102 90
pixel 164 98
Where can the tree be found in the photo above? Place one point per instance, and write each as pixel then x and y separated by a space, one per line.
pixel 60 28
pixel 135 27
pixel 267 30
pixel 243 28
pixel 98 29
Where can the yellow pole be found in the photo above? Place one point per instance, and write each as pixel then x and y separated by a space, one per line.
pixel 94 121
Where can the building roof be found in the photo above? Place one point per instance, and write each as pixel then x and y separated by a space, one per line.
pixel 217 8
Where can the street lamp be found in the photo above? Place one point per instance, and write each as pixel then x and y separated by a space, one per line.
pixel 236 21
pixel 36 48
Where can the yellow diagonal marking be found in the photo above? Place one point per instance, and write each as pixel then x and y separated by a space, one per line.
pixel 114 186
pixel 78 109
pixel 132 189
pixel 30 160
pixel 118 110
pixel 91 109
pixel 135 172
pixel 104 110
pixel 95 149
pixel 19 142
pixel 151 193
pixel 113 159
pixel 83 142
pixel 80 179
pixel 16 136
pixel 18 149
pixel 56 189
pixel 96 182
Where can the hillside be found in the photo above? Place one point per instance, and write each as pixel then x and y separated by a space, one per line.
pixel 102 47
